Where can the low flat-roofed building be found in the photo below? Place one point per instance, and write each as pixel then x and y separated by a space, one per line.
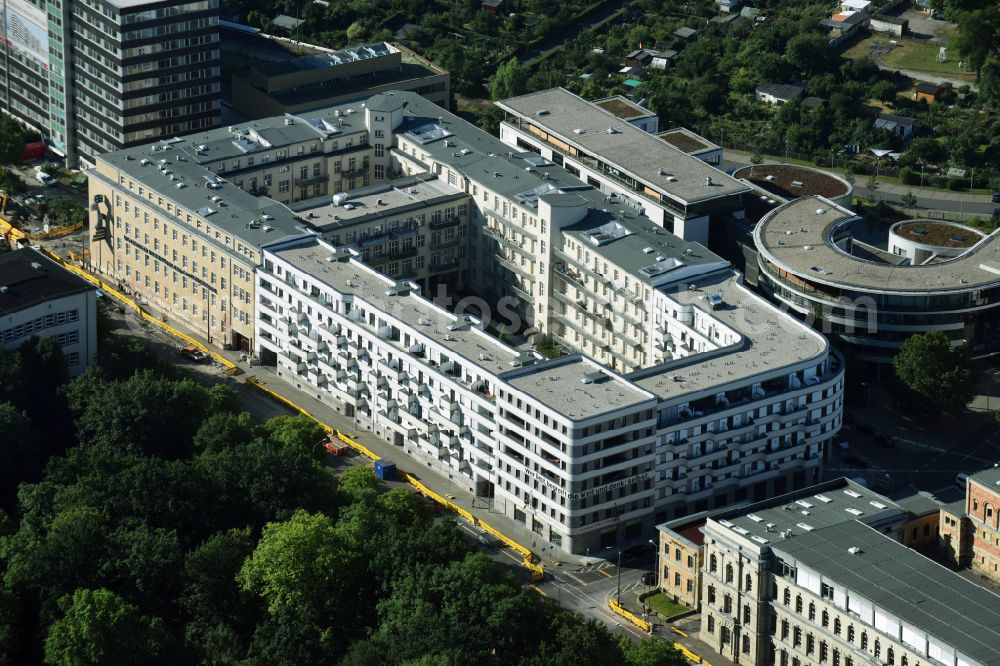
pixel 969 530
pixel 777 94
pixel 327 77
pixel 38 297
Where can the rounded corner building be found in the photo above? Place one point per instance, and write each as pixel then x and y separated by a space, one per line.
pixel 816 258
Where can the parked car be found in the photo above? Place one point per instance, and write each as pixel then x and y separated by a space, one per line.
pixel 996 197
pixel 193 353
pixel 44 178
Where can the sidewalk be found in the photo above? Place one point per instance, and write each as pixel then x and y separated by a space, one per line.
pixel 683 631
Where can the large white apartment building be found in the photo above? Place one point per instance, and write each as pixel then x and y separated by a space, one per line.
pixel 685 392
pixel 821 576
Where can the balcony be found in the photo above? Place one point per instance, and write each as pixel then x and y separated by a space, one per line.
pixel 444 224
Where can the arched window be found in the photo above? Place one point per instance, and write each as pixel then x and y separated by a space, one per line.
pixel 890 657
pixel 746 613
pixel 864 640
pixel 812 611
pixel 836 626
pixel 798 603
pixel 904 661
pixel 788 597
pixel 748 585
pixel 825 619
pixel 746 644
pixel 729 573
pixel 713 564
pixel 878 649
pixel 850 633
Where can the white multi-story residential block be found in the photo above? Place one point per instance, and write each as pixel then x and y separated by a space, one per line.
pixel 682 390
pixel 38 297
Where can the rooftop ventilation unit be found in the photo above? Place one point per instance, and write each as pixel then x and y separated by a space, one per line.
pixel 595 377
pixel 708 181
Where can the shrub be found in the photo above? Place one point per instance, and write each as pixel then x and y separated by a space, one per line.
pixel 956 183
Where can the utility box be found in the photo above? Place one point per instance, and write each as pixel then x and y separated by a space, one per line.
pixel 385 470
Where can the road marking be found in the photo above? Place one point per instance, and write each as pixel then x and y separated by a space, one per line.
pixel 679 632
pixel 604 573
pixel 569 575
pixel 539 590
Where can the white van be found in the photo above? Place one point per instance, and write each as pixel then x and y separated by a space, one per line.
pixel 44 178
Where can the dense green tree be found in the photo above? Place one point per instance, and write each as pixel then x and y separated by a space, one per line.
pixel 294 433
pixel 99 627
pixel 222 431
pixel 306 579
pixel 938 374
pixel 653 652
pixel 19 454
pixel 509 80
pixel 220 611
pixel 145 413
pixel 809 53
pixel 12 137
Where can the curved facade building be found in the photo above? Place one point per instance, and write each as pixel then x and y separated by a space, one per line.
pixel 873 300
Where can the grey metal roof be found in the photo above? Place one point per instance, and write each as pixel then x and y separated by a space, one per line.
pixel 810 509
pixel 989 478
pixel 917 590
pixel 780 90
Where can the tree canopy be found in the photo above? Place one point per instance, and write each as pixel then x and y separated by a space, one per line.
pixel 183 532
pixel 937 374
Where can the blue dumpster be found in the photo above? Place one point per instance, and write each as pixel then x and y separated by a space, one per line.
pixel 385 470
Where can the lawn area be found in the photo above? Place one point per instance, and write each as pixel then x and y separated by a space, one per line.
pixel 922 57
pixel 662 604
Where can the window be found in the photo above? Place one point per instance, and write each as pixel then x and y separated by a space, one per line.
pixel 729 573
pixel 810 644
pixel 890 657
pixel 746 644
pixel 784 630
pixel 823 651
pixel 825 619
pixel 812 611
pixel 746 614
pixel 727 604
pixel 878 649
pixel 850 633
pixel 787 599
pixel 836 625
pixel 796 637
pixel 864 640
pixel 711 624
pixel 713 564
pixel 748 584
pixel 798 603
pixel 711 594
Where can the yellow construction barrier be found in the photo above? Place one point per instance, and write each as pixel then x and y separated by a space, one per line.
pixel 691 656
pixel 634 619
pixel 6 228
pixel 231 367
